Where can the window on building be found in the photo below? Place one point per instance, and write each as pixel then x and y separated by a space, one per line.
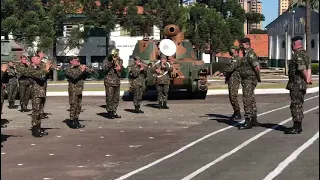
pixel 97 59
pixel 313 43
pixel 283 45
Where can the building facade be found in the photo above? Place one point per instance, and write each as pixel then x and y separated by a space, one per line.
pixel 290 22
pixel 283 6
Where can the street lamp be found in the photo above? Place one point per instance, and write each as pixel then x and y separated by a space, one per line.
pixel 286 41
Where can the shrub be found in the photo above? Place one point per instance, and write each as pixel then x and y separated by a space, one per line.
pixel 315 68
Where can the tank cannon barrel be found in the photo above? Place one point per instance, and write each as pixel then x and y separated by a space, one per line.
pixel 171 30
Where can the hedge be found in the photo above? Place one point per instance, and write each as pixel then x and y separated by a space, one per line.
pixel 315 68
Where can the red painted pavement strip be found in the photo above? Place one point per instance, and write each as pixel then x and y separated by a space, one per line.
pixel 62 158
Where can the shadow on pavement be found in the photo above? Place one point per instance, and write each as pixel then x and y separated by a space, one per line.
pixel 152 96
pixel 5 137
pixel 273 126
pixel 129 110
pixel 156 106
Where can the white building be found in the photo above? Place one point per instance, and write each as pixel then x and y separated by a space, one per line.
pixel 293 24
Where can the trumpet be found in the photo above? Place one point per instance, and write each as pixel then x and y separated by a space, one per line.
pixel 90 70
pixel 54 66
pixel 116 61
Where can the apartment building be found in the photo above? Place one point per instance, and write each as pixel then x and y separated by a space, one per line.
pixel 283 6
pixel 253 6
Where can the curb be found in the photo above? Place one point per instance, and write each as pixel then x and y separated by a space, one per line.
pixel 210 92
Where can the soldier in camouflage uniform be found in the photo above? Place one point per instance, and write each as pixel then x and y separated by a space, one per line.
pixel 138 75
pixel 24 83
pixel 250 76
pixel 76 76
pixel 163 82
pixel 42 57
pixel 4 69
pixel 233 80
pixel 38 74
pixel 112 65
pixel 299 78
pixel 12 86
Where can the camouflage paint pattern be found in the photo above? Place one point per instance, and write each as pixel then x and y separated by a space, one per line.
pixel 186 66
pixel 75 79
pixel 249 82
pixel 24 84
pixel 138 80
pixel 12 86
pixel 296 84
pixel 233 80
pixel 112 85
pixel 38 76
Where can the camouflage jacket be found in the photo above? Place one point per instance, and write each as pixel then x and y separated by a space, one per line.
pixel 232 70
pixel 76 79
pixel 299 62
pixel 138 77
pixel 12 75
pixel 248 64
pixel 38 76
pixel 2 87
pixel 166 78
pixel 22 70
pixel 112 75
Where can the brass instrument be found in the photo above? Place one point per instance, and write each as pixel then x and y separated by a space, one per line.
pixel 90 70
pixel 162 73
pixel 54 66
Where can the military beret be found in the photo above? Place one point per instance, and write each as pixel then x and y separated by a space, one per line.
pixel 136 58
pixel 296 38
pixel 245 40
pixel 163 56
pixel 235 47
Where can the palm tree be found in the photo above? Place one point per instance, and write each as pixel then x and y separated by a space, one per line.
pixel 309 5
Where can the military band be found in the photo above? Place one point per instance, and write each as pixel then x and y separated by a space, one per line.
pixel 32 78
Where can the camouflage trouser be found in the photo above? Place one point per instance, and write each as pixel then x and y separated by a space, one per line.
pixel 112 97
pixel 296 107
pixel 137 95
pixel 162 90
pixel 75 105
pixel 249 103
pixel 233 87
pixel 2 97
pixel 12 89
pixel 80 100
pixel 25 93
pixel 37 107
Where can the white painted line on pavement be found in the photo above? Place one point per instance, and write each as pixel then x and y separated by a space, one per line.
pixel 291 158
pixel 210 92
pixel 194 143
pixel 244 144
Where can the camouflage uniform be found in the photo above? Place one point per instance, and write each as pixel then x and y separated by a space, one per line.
pixel 2 90
pixel 162 85
pixel 297 87
pixel 249 81
pixel 76 79
pixel 138 85
pixel 38 76
pixel 24 86
pixel 112 86
pixel 12 87
pixel 233 80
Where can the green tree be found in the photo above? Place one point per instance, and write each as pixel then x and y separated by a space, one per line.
pixel 253 18
pixel 258 31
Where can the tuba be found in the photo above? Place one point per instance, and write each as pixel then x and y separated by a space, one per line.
pixel 168 48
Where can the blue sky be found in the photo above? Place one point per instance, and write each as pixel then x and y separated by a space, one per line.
pixel 270 11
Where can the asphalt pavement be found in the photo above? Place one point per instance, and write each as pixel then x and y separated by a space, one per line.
pixel 192 140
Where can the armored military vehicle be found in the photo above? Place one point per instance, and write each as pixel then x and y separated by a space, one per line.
pixel 10 51
pixel 189 73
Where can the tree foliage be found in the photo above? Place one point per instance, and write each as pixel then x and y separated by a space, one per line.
pixel 258 31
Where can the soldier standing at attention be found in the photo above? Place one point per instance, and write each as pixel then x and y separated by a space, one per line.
pixel 4 69
pixel 12 87
pixel 299 77
pixel 42 57
pixel 138 75
pixel 76 76
pixel 163 81
pixel 24 83
pixel 38 74
pixel 233 80
pixel 112 65
pixel 250 76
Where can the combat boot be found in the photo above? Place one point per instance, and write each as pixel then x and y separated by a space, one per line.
pixel 38 132
pixel 160 105
pixel 44 116
pixel 12 106
pixel 165 105
pixel 246 125
pixel 254 121
pixel 138 110
pixel 115 115
pixel 79 125
pixel 236 115
pixel 295 129
pixel 75 124
pixel 110 115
